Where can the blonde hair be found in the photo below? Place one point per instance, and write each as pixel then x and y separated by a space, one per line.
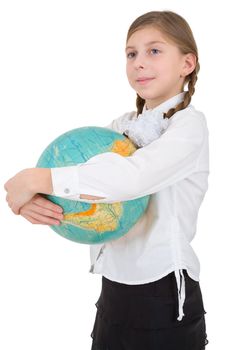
pixel 179 32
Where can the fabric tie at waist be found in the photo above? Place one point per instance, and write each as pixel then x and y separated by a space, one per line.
pixel 180 292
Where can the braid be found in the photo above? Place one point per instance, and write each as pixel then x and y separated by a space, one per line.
pixel 139 104
pixel 188 95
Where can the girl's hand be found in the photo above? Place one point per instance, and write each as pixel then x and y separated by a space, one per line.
pixel 18 191
pixel 40 210
pixel 25 184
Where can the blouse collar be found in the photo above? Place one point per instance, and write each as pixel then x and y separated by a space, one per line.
pixel 166 105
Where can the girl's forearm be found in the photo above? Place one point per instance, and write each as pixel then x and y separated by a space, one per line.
pixel 42 182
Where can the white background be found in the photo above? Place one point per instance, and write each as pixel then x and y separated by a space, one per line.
pixel 62 66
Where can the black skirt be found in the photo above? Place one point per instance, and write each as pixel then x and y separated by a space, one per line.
pixel 144 316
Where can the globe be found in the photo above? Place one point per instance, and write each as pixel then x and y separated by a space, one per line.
pixel 91 223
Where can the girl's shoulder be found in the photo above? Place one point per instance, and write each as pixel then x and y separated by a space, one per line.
pixel 187 114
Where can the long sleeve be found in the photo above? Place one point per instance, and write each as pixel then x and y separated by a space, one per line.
pixel 163 162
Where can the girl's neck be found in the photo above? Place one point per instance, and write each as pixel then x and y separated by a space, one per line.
pixel 152 103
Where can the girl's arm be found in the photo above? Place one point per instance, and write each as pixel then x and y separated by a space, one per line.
pixel 114 178
pixel 24 185
pixel 172 157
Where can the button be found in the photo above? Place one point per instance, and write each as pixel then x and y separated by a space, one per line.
pixel 66 190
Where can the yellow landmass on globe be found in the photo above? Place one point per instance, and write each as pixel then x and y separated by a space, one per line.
pixel 123 147
pixel 100 217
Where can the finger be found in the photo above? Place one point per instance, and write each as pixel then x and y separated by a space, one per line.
pixel 45 220
pixel 15 209
pixel 49 213
pixel 32 209
pixel 32 220
pixel 44 202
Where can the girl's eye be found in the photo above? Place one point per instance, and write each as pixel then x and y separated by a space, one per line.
pixel 155 50
pixel 129 55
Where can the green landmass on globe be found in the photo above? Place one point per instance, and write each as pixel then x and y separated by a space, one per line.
pixel 91 223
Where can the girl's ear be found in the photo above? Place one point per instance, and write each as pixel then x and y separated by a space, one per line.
pixel 189 64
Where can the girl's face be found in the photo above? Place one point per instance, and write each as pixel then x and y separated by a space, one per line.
pixel 155 67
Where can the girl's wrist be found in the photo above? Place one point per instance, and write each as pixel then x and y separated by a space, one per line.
pixel 40 180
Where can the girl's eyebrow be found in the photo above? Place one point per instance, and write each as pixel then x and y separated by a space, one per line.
pixel 149 43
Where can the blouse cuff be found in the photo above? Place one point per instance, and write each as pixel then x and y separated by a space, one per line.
pixel 65 181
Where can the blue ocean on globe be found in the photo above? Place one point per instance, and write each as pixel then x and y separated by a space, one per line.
pixel 91 223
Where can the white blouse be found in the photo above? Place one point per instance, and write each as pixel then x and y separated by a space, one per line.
pixel 173 169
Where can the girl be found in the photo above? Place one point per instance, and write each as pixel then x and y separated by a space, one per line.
pixel 151 297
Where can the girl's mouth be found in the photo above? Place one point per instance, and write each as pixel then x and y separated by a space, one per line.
pixel 144 81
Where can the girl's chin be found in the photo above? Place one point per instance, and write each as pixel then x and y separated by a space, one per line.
pixel 146 94
pixel 146 97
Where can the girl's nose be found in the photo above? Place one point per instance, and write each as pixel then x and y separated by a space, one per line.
pixel 139 61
